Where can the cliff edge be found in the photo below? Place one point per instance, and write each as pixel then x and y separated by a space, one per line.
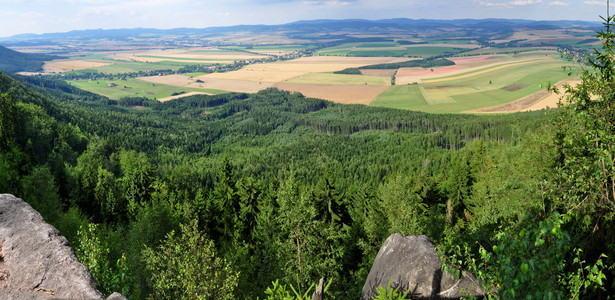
pixel 36 262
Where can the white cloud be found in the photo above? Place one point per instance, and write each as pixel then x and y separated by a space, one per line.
pixel 558 3
pixel 594 3
pixel 494 4
pixel 525 2
pixel 328 3
pixel 511 3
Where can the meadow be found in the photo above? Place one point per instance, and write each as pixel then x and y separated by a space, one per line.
pixel 396 49
pixel 117 89
pixel 476 87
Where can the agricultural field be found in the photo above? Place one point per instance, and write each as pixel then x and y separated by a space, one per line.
pixel 270 50
pixel 473 83
pixel 395 49
pixel 126 61
pixel 342 93
pixel 476 83
pixel 209 83
pixel 294 69
pixel 340 79
pixel 401 96
pixel 116 89
pixel 308 75
pixel 490 69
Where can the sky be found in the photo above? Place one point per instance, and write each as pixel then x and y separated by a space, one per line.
pixel 44 16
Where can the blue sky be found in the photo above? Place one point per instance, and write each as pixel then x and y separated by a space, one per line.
pixel 41 16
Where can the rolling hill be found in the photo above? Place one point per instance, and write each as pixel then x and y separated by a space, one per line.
pixel 13 61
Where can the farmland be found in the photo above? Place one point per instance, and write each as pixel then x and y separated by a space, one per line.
pixel 475 82
pixel 378 49
pixel 483 70
pixel 116 89
pixel 118 62
pixel 465 88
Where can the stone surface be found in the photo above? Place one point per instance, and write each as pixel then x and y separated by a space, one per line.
pixel 36 262
pixel 411 263
pixel 116 296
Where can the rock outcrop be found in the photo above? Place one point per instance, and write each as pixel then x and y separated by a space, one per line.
pixel 36 262
pixel 411 263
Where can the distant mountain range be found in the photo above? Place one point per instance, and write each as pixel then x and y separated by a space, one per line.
pixel 302 28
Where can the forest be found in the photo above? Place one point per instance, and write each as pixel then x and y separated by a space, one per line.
pixel 246 196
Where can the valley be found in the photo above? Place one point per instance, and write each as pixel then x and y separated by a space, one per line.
pixel 488 67
pixel 254 161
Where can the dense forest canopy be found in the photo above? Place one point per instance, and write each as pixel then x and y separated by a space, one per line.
pixel 277 187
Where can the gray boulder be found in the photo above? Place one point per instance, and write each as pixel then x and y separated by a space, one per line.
pixel 36 262
pixel 411 263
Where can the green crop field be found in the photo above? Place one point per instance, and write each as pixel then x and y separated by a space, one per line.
pixel 474 90
pixel 428 51
pixel 329 78
pixel 388 49
pixel 488 51
pixel 401 96
pixel 380 52
pixel 134 88
pixel 272 47
pixel 95 56
pixel 127 67
pixel 377 45
pixel 189 59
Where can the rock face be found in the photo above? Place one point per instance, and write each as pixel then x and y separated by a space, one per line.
pixel 411 263
pixel 35 260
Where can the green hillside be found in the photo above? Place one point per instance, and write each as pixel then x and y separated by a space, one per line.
pixel 13 61
pixel 241 190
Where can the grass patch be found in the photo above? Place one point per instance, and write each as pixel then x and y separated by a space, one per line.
pixel 474 90
pixel 170 58
pixel 401 96
pixel 429 51
pixel 377 45
pixel 129 67
pixel 491 51
pixel 394 52
pixel 116 89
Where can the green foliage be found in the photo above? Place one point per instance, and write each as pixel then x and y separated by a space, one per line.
pixel 349 71
pixel 187 267
pixel 403 205
pixel 585 141
pixel 94 254
pixel 587 278
pixel 286 188
pixel 278 291
pixel 420 63
pixel 529 262
pixel 390 293
pixel 7 121
pixel 586 137
pixel 40 189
